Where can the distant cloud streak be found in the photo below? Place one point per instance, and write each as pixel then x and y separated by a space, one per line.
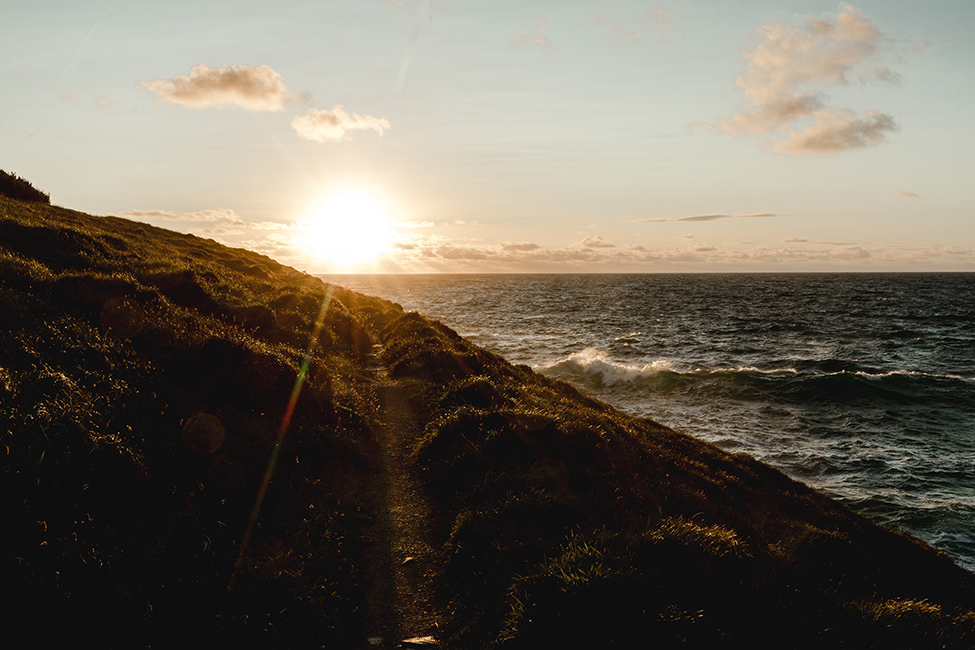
pixel 909 195
pixel 710 217
pixel 336 124
pixel 220 215
pixel 243 86
pixel 788 72
pixel 436 253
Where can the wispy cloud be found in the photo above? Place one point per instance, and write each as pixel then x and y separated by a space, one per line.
pixel 420 250
pixel 439 253
pixel 533 37
pixel 617 31
pixel 909 195
pixel 658 15
pixel 219 215
pixel 788 73
pixel 243 86
pixel 521 247
pixel 596 242
pixel 336 124
pixel 710 217
pixel 836 129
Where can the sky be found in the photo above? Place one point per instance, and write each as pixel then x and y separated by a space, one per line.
pixel 406 136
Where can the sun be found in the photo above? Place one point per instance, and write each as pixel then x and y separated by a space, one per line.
pixel 349 229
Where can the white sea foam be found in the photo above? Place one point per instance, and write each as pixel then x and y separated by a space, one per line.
pixel 593 361
pixel 877 376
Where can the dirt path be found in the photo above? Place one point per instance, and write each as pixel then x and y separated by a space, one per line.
pixel 401 606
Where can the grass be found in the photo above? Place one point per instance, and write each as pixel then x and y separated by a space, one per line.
pixel 120 516
pixel 566 524
pixel 144 376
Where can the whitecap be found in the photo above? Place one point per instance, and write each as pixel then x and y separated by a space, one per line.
pixel 593 361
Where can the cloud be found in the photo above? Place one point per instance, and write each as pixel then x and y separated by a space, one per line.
pixel 788 73
pixel 243 86
pixel 534 38
pixel 424 253
pixel 616 29
pixel 909 195
pixel 526 246
pixel 658 15
pixel 707 126
pixel 837 130
pixel 596 242
pixel 336 124
pixel 710 217
pixel 220 215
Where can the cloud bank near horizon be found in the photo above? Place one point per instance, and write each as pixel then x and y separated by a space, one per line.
pixel 417 250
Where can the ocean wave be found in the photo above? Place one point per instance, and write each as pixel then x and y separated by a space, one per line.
pixel 597 363
pixel 795 381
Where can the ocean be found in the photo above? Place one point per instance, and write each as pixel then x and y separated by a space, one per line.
pixel 860 385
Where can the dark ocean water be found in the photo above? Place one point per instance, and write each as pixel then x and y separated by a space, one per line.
pixel 862 385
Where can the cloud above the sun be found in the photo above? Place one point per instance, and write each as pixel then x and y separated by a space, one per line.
pixel 258 88
pixel 788 75
pixel 337 124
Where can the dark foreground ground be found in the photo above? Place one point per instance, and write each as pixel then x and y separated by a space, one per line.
pixel 145 383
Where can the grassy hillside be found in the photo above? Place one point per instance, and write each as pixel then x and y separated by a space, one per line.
pixel 145 383
pixel 15 187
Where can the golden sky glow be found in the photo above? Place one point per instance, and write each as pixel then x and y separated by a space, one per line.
pixel 511 136
pixel 348 229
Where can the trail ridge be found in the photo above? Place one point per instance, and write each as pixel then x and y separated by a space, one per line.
pixel 402 611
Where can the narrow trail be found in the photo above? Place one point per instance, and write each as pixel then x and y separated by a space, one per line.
pixel 401 606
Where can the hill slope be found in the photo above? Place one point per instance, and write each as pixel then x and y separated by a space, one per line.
pixel 153 385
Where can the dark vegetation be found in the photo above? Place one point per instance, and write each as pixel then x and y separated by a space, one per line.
pixel 16 187
pixel 144 375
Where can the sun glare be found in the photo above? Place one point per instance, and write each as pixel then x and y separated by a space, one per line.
pixel 349 229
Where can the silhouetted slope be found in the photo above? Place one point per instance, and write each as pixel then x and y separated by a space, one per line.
pixel 144 379
pixel 144 376
pixel 15 187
